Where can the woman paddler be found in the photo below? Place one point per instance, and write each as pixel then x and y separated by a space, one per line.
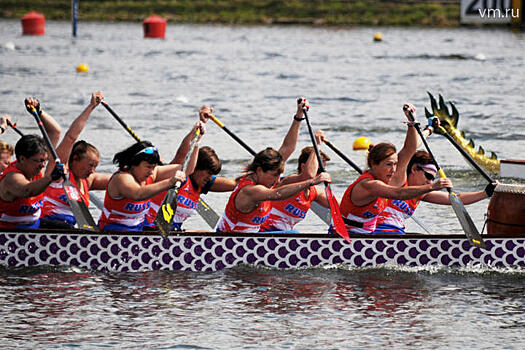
pixel 250 203
pixel 201 181
pixel 140 177
pixel 367 196
pixel 287 213
pixel 81 160
pixel 23 182
pixel 421 171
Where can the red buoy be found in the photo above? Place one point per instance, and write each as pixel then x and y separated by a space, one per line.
pixel 33 23
pixel 154 27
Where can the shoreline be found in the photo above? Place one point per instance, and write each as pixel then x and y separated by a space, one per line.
pixel 425 13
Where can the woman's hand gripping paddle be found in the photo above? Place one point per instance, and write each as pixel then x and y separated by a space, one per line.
pixel 74 199
pixel 204 210
pixel 337 219
pixel 168 207
pixel 461 212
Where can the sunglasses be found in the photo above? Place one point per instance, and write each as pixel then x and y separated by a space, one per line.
pixel 148 150
pixel 429 176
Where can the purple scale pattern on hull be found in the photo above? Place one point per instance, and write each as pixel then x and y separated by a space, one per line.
pixel 134 252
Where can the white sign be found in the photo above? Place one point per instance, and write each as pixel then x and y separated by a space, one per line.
pixel 487 11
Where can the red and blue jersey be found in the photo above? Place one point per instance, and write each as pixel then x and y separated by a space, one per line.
pixel 56 206
pixel 187 200
pixel 234 220
pixel 361 219
pixel 124 214
pixel 22 212
pixel 392 219
pixel 289 212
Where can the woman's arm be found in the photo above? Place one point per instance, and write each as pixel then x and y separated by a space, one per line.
pixel 290 140
pixel 72 134
pixel 124 185
pixel 438 197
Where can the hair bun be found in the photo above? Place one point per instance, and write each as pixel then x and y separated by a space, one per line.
pixel 371 146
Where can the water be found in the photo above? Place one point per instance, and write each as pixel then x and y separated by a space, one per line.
pixel 252 77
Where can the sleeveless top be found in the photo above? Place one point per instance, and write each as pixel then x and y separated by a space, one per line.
pixel 187 201
pixel 397 211
pixel 235 221
pixel 289 212
pixel 361 219
pixel 22 212
pixel 56 206
pixel 124 214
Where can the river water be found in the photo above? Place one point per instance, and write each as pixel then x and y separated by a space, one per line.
pixel 252 77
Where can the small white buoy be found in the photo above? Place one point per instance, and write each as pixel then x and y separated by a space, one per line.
pixel 10 45
pixel 480 57
pixel 181 99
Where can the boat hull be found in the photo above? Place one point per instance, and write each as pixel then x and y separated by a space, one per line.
pixel 201 251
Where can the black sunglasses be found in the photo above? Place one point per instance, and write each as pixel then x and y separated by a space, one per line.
pixel 429 176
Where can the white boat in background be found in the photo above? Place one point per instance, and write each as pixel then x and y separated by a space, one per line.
pixel 512 168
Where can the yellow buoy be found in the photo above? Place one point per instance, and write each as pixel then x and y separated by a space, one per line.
pixel 361 143
pixel 82 68
pixel 378 36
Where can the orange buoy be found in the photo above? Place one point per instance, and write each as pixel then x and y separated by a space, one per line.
pixel 506 210
pixel 154 27
pixel 33 23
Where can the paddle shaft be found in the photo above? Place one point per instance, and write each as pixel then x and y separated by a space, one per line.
pixel 235 137
pixel 466 155
pixel 343 156
pixel 115 115
pixel 15 128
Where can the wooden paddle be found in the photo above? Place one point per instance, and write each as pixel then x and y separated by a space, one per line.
pixel 461 212
pixel 360 171
pixel 320 211
pixel 15 128
pixel 337 219
pixel 74 199
pixel 168 207
pixel 203 208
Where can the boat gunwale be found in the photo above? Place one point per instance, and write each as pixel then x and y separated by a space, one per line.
pixel 211 234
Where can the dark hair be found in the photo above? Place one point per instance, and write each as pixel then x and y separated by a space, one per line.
pixel 305 154
pixel 420 157
pixel 29 145
pixel 267 159
pixel 208 160
pixel 131 156
pixel 379 152
pixel 80 148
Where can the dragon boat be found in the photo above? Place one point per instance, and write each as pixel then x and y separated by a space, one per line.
pixel 211 251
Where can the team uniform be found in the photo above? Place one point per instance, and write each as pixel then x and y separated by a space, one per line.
pixel 22 212
pixel 235 221
pixel 289 212
pixel 187 201
pixel 124 214
pixel 361 219
pixel 392 219
pixel 56 206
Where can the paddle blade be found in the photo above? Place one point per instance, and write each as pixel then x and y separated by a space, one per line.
pixel 466 221
pixel 167 212
pixel 338 222
pixel 78 207
pixel 207 213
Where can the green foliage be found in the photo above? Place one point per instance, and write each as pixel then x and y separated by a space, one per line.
pixel 319 12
